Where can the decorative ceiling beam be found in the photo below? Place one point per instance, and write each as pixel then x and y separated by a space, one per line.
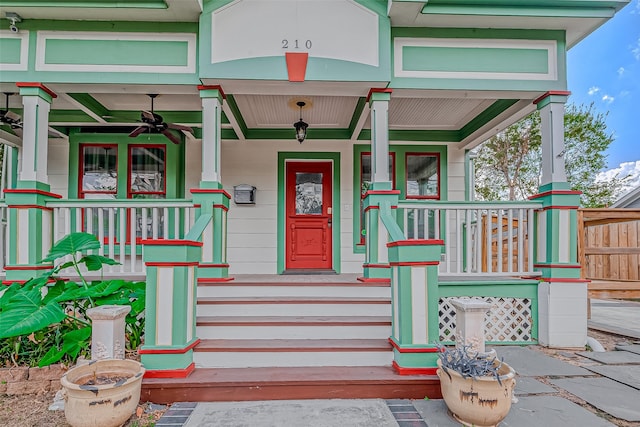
pixel 231 110
pixel 88 105
pixel 10 139
pixel 359 118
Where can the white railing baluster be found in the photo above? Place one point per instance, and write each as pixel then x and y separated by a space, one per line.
pixel 101 231
pixel 474 234
pixel 133 240
pixel 499 241
pixel 154 222
pixel 122 214
pixel 111 236
pixel 165 223
pixel 510 240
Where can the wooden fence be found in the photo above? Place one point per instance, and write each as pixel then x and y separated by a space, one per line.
pixel 609 251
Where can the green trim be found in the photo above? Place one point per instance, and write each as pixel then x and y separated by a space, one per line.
pixel 357 113
pixel 552 99
pixel 416 135
pixel 233 106
pixel 568 10
pixel 103 26
pixel 10 50
pixel 36 91
pixel 166 362
pixel 91 104
pixel 137 4
pixel 486 116
pixel 283 156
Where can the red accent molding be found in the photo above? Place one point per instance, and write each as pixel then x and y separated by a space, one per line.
pixel 38 85
pixel 197 205
pixel 564 280
pixel 27 267
pixel 22 282
pixel 214 280
pixel 170 242
pixel 416 242
pixel 205 265
pixel 413 263
pixel 44 208
pixel 577 266
pixel 170 373
pixel 372 280
pixel 171 264
pixel 169 350
pixel 296 65
pixel 213 87
pixel 550 93
pixel 32 191
pixel 378 90
pixel 564 208
pixel 223 207
pixel 396 346
pixel 211 190
pixel 413 371
pixel 375 265
pixel 555 193
pixel 368 208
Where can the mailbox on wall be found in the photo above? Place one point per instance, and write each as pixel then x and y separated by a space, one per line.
pixel 244 194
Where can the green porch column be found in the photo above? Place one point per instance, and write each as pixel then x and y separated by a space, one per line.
pixel 414 296
pixel 376 259
pixel 170 326
pixel 376 266
pixel 562 295
pixel 30 222
pixel 210 198
pixel 213 265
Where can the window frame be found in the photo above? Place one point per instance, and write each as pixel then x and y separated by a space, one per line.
pixel 81 191
pixel 406 176
pixel 130 148
pixel 362 195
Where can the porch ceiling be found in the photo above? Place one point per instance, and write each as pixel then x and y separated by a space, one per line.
pixel 333 110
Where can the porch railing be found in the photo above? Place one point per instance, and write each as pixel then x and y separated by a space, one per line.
pixel 121 225
pixel 480 238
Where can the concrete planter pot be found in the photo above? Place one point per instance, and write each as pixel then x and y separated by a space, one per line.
pixel 102 405
pixel 479 402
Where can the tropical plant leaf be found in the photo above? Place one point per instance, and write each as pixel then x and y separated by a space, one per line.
pixel 51 356
pixel 27 314
pixel 5 298
pixel 53 292
pixel 71 244
pixel 95 262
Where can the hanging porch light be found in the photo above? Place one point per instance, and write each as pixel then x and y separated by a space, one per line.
pixel 300 125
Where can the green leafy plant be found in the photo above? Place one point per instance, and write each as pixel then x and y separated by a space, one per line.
pixel 45 318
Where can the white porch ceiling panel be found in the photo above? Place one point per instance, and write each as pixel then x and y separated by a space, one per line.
pixel 260 111
pixel 163 102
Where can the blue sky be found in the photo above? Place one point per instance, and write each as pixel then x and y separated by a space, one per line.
pixel 604 68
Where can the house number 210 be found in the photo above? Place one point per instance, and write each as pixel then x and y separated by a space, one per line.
pixel 295 44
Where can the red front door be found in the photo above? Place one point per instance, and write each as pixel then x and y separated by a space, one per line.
pixel 308 200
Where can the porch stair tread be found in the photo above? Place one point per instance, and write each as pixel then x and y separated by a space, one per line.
pixel 280 383
pixel 292 345
pixel 292 320
pixel 294 284
pixel 293 300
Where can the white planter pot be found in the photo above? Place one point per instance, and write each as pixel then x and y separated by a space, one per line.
pixel 480 402
pixel 103 405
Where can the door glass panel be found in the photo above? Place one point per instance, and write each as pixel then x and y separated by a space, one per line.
pixel 308 193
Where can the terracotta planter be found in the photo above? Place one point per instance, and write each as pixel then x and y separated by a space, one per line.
pixel 102 405
pixel 480 402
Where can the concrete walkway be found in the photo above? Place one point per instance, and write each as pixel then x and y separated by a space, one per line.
pixel 608 381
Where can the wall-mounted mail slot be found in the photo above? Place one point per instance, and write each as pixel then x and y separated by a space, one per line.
pixel 244 194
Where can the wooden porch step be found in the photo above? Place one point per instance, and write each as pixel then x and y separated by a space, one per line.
pixel 224 385
pixel 236 353
pixel 293 290
pixel 295 327
pixel 294 306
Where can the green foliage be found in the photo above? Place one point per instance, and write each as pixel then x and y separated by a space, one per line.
pixel 508 165
pixel 46 322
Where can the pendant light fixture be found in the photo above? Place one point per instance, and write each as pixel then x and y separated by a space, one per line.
pixel 300 125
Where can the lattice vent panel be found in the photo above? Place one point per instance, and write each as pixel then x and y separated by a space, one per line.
pixel 510 319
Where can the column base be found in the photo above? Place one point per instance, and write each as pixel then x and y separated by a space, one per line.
pixel 562 312
pixel 376 273
pixel 414 359
pixel 168 362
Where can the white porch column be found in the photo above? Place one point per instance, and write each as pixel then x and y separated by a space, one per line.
pixel 562 294
pixel 551 108
pixel 212 99
pixel 36 99
pixel 379 103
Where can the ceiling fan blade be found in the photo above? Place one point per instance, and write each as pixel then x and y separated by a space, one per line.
pixel 11 117
pixel 137 131
pixel 171 136
pixel 147 116
pixel 180 127
pixel 17 130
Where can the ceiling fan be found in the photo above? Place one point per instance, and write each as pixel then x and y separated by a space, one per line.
pixel 154 122
pixel 10 118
